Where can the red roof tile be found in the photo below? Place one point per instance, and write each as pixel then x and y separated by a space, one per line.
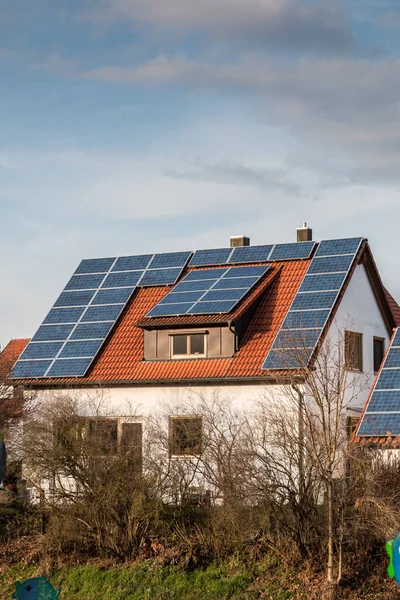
pixel 121 359
pixel 394 307
pixel 10 354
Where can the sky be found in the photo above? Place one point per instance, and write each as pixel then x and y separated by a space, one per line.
pixel 136 126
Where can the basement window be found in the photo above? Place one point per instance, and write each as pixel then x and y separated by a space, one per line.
pixel 353 351
pixel 185 436
pixel 190 345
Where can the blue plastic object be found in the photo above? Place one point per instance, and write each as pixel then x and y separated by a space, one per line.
pixel 36 588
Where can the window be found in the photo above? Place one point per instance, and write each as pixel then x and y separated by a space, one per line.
pixel 185 436
pixel 104 433
pixel 100 436
pixel 379 352
pixel 188 345
pixel 353 351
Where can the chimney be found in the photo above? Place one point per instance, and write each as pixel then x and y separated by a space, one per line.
pixel 304 234
pixel 239 240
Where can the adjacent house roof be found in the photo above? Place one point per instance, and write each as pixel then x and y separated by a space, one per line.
pixel 379 423
pixel 10 355
pixel 120 360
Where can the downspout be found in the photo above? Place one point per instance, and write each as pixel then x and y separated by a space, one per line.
pixel 232 330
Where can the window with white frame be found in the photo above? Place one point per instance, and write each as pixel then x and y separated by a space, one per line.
pixel 188 345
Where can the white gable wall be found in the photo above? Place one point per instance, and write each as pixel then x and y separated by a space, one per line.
pixel 359 311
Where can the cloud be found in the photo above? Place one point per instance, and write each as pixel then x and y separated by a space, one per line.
pixel 288 24
pixel 348 108
pixel 246 175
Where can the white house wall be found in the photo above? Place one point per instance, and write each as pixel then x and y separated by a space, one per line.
pixel 359 312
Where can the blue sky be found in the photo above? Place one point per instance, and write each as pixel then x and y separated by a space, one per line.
pixel 130 126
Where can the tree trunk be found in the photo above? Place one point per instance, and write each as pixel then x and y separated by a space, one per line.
pixel 331 588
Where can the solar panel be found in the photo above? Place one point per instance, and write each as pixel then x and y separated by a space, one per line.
pixel 69 367
pixel 220 291
pixel 204 258
pixel 30 368
pixel 85 282
pixel 85 348
pixel 212 308
pixel 341 246
pixel 74 298
pixel 322 283
pixel 382 412
pixel 316 297
pixel 297 338
pixel 288 359
pixel 153 277
pixel 305 319
pixel 123 279
pixel 41 350
pixel 49 333
pixel 389 379
pixel 102 313
pixel 379 424
pixel 297 250
pixel 170 259
pixel 64 315
pixel 248 254
pixel 206 274
pixel 132 263
pixel 331 264
pixel 95 265
pixel 87 309
pixel 385 401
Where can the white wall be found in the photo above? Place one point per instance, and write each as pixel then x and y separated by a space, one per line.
pixel 359 311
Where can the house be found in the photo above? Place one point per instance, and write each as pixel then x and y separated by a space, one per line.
pixel 149 330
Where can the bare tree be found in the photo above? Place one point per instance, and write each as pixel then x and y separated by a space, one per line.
pixel 306 439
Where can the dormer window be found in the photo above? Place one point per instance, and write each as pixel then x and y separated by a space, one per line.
pixel 188 345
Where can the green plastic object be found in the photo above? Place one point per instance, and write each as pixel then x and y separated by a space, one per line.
pixel 389 550
pixel 36 588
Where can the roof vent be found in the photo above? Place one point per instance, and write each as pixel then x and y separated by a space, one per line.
pixel 304 234
pixel 239 240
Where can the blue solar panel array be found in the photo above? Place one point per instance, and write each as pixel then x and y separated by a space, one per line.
pixel 211 291
pixel 313 303
pixel 82 317
pixel 382 414
pixel 250 254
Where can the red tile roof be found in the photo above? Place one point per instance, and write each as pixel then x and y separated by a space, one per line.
pixel 10 354
pixel 394 307
pixel 121 359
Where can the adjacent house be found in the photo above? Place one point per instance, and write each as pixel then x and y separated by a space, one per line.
pixel 149 330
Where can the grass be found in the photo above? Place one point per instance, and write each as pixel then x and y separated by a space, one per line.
pixel 142 582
